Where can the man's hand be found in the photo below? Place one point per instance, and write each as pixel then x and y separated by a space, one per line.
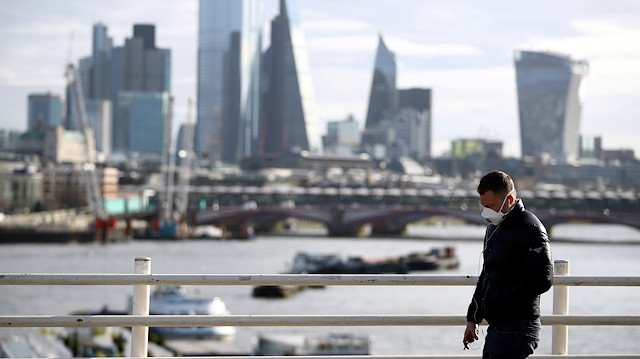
pixel 470 334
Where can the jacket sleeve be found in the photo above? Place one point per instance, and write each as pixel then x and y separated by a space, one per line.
pixel 537 277
pixel 474 312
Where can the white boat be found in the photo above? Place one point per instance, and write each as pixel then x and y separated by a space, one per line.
pixel 33 345
pixel 319 344
pixel 172 300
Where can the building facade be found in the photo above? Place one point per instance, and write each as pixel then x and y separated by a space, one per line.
pixel 410 134
pixel 20 189
pixel 290 122
pixel 65 186
pixel 343 137
pixel 144 122
pixel 63 146
pixel 99 115
pixel 550 98
pixel 9 138
pixel 419 100
pixel 228 103
pixel 45 110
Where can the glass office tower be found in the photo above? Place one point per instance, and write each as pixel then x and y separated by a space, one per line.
pixel 290 124
pixel 419 99
pixel 100 57
pixel 550 97
pixel 229 46
pixel 384 95
pixel 145 121
pixel 45 110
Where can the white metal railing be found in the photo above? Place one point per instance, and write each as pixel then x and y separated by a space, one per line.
pixel 140 320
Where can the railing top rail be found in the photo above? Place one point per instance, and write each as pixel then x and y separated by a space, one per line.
pixel 564 356
pixel 286 320
pixel 286 279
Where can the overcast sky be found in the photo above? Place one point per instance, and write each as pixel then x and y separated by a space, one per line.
pixel 462 50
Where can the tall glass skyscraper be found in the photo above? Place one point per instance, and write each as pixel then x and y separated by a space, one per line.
pixel 100 56
pixel 229 46
pixel 145 121
pixel 45 110
pixel 290 123
pixel 550 97
pixel 384 95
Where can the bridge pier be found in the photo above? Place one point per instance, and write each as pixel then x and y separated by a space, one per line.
pixel 340 230
pixel 387 228
pixel 238 230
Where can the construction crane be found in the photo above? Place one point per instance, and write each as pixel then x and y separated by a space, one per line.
pixel 94 197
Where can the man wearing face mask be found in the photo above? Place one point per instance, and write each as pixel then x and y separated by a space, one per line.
pixel 517 269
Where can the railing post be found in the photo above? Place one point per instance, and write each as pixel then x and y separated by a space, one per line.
pixel 140 334
pixel 560 338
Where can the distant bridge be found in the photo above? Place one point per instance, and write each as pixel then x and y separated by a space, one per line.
pixel 389 220
pixel 345 211
pixel 235 195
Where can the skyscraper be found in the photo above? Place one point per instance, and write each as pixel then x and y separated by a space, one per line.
pixel 383 98
pixel 138 67
pixel 145 121
pixel 290 123
pixel 419 99
pixel 100 56
pixel 45 110
pixel 229 45
pixel 550 97
pixel 99 115
pixel 139 72
pixel 146 67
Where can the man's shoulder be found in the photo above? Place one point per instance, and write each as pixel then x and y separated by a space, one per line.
pixel 528 220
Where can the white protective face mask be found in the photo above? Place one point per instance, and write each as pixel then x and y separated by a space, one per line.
pixel 492 216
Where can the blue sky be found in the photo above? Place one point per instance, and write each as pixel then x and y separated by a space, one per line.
pixel 462 50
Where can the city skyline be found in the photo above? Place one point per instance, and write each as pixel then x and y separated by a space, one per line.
pixel 469 67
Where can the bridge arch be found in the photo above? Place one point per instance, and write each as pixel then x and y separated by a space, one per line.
pixel 393 220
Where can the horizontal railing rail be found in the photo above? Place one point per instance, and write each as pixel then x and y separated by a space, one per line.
pixel 140 321
pixel 285 320
pixel 287 279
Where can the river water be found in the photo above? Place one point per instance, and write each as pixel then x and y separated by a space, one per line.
pixel 271 254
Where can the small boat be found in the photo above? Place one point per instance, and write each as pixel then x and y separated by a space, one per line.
pixel 437 258
pixel 277 291
pixel 172 300
pixel 286 344
pixel 207 232
pixel 333 264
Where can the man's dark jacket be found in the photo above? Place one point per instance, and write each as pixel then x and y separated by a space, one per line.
pixel 517 269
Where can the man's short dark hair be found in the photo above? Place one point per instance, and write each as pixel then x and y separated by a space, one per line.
pixel 497 181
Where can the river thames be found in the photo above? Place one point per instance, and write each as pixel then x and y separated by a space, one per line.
pixel 591 250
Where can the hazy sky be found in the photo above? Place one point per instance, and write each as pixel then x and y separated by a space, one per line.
pixel 462 50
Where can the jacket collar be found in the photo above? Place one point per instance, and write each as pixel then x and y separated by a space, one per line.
pixel 517 209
